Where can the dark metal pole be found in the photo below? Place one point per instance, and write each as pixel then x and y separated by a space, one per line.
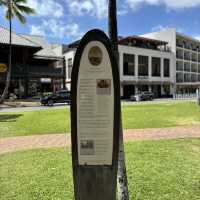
pixel 113 33
pixel 64 73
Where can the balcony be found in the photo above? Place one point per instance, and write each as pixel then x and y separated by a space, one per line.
pixel 179 44
pixel 193 78
pixel 186 57
pixel 179 78
pixel 194 59
pixel 143 78
pixel 179 56
pixel 187 67
pixel 188 46
pixel 187 78
pixel 179 66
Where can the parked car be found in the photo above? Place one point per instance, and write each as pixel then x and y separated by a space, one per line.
pixel 62 96
pixel 143 96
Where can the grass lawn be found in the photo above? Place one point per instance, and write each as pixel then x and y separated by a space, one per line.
pixel 134 116
pixel 157 170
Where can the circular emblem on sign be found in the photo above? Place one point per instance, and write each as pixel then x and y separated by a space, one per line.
pixel 3 68
pixel 95 55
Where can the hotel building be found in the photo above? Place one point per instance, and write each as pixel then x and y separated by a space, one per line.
pixel 164 62
pixel 145 65
pixel 187 58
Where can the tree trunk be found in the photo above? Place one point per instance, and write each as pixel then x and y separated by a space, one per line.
pixel 122 176
pixel 5 92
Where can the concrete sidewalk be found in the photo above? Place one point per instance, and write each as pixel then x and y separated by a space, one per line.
pixel 20 103
pixel 60 140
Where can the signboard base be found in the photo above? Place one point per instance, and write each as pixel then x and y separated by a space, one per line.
pixel 101 187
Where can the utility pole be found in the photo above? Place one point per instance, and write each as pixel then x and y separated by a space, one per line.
pixel 113 34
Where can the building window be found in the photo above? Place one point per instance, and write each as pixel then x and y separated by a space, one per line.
pixel 179 77
pixel 129 64
pixel 166 67
pixel 70 64
pixel 143 66
pixel 187 77
pixel 156 65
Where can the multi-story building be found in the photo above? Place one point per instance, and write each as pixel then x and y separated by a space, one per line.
pixel 35 67
pixel 164 62
pixel 187 53
pixel 145 65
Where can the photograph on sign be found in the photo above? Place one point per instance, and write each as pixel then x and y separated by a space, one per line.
pixel 103 87
pixel 87 147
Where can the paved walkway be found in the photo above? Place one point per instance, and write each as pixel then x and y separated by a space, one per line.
pixel 61 140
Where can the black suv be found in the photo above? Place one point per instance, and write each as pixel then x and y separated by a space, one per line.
pixel 62 96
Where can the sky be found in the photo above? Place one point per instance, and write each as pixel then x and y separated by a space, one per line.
pixel 63 21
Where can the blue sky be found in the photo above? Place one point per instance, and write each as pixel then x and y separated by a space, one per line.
pixel 63 21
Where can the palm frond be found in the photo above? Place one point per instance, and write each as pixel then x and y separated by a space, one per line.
pixel 3 3
pixel 18 8
pixel 19 1
pixel 18 14
pixel 26 9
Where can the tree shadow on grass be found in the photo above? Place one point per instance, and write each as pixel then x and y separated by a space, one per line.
pixel 9 118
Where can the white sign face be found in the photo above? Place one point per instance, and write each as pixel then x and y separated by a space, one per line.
pixel 95 106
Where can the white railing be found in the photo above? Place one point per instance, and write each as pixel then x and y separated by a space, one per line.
pixel 185 96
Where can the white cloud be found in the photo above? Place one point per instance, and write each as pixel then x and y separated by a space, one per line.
pixel 47 8
pixel 97 8
pixel 37 30
pixel 170 4
pixel 80 9
pixel 160 27
pixel 197 37
pixel 57 29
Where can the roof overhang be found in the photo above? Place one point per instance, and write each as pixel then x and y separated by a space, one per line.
pixel 142 39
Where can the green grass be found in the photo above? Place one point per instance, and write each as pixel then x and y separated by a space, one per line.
pixel 134 116
pixel 160 115
pixel 34 122
pixel 157 170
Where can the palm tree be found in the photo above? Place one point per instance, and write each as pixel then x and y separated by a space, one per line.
pixel 14 8
pixel 113 33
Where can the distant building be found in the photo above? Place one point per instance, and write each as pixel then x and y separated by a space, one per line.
pixel 35 66
pixel 164 62
pixel 187 58
pixel 145 65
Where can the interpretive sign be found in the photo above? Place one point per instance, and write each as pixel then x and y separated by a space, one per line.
pixel 95 103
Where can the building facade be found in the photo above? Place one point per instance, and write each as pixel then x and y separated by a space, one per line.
pixel 145 65
pixel 145 68
pixel 35 67
pixel 164 62
pixel 187 58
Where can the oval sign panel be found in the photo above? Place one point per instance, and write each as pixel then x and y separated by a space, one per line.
pixel 3 68
pixel 95 106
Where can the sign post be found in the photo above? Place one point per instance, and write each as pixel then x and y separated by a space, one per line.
pixel 95 115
